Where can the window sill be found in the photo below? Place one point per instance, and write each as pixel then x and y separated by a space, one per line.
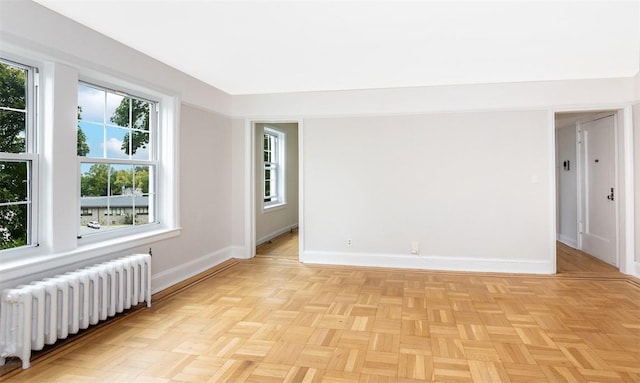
pixel 270 208
pixel 81 256
pixel 125 242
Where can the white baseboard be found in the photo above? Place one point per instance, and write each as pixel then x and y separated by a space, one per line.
pixel 276 233
pixel 571 242
pixel 426 262
pixel 239 252
pixel 168 278
pixel 637 269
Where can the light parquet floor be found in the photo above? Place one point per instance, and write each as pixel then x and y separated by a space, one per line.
pixel 270 319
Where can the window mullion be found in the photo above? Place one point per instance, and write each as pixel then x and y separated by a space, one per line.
pixel 129 128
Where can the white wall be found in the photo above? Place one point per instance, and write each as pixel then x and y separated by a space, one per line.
pixel 275 221
pixel 567 196
pixel 205 199
pixel 471 188
pixel 64 50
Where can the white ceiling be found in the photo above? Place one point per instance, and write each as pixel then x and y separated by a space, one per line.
pixel 245 47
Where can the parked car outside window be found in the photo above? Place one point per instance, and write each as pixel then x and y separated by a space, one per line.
pixel 93 224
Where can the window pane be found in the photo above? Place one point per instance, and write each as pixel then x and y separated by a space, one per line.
pixel 13 127
pixel 145 196
pixel 13 226
pixel 117 144
pixel 122 180
pixel 274 183
pixel 94 180
pixel 14 185
pixel 94 138
pixel 140 115
pixel 120 213
pixel 139 145
pixel 117 109
pixel 142 180
pixel 14 87
pixel 127 126
pixel 91 104
pixel 112 195
pixel 142 210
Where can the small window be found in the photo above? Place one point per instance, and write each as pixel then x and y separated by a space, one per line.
pixel 118 154
pixel 273 167
pixel 18 158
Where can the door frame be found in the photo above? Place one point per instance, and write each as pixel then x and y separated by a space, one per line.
pixel 580 179
pixel 623 136
pixel 250 182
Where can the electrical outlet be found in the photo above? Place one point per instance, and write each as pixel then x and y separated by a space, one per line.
pixel 349 242
pixel 415 247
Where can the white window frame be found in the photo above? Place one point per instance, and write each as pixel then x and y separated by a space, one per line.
pixel 55 201
pixel 30 155
pixel 154 162
pixel 277 167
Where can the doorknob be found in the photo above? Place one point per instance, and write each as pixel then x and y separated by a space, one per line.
pixel 610 197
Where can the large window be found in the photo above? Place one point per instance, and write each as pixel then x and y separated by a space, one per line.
pixel 18 159
pixel 118 154
pixel 273 164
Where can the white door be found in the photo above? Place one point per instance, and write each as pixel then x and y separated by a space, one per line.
pixel 597 173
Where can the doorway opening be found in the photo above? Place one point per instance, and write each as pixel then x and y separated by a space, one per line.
pixel 589 183
pixel 275 178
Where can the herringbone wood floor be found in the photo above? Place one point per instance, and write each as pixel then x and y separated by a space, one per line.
pixel 271 319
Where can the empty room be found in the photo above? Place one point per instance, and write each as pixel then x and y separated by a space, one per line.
pixel 319 191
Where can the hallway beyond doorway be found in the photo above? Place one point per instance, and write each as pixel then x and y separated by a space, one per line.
pixel 284 246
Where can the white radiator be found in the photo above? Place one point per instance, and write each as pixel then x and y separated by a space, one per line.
pixel 41 312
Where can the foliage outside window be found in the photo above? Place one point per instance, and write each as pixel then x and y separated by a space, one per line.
pixel 118 158
pixel 273 159
pixel 18 161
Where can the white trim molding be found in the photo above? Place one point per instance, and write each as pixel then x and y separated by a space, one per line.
pixel 624 158
pixel 429 262
pixel 571 242
pixel 553 187
pixel 250 185
pixel 170 277
pixel 629 194
pixel 238 252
